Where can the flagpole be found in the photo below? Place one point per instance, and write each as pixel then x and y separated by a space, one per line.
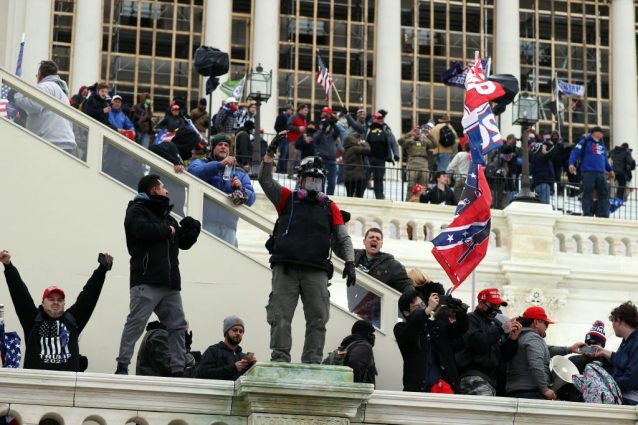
pixel 557 101
pixel 473 290
pixel 337 92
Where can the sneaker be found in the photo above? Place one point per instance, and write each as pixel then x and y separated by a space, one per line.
pixel 121 369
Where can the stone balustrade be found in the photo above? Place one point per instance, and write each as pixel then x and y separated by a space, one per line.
pixel 269 393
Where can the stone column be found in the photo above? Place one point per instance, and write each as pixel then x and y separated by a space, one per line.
pixel 218 24
pixel 387 63
pixel 88 42
pixel 624 104
pixel 265 50
pixel 37 29
pixel 506 58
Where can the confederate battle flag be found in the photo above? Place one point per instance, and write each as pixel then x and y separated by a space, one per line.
pixel 463 244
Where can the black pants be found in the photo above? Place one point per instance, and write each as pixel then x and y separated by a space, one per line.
pixel 377 166
pixel 621 181
pixel 355 188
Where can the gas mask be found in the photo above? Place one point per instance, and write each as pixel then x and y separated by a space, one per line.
pixel 311 187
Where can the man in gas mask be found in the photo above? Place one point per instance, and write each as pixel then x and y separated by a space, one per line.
pixel 300 250
pixel 487 345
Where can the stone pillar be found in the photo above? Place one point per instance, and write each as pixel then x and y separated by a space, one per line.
pixel 624 102
pixel 88 38
pixel 304 394
pixel 218 24
pixel 387 63
pixel 265 50
pixel 507 52
pixel 37 29
pixel 11 27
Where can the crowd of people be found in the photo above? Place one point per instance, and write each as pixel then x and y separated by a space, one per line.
pixel 445 349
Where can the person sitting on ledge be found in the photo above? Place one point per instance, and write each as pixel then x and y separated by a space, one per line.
pixel 225 360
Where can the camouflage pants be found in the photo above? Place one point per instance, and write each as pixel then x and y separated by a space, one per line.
pixel 475 385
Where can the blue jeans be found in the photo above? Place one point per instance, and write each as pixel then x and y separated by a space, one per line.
pixel 543 191
pixel 283 156
pixel 442 161
pixel 595 180
pixel 331 179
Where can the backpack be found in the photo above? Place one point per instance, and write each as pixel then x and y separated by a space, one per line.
pixel 597 385
pixel 339 356
pixel 446 137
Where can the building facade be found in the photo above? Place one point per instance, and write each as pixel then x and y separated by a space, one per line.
pixel 381 53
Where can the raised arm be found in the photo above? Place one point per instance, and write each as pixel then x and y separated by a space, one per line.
pixel 20 296
pixel 86 301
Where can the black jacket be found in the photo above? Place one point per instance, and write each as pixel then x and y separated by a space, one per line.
pixel 417 337
pixel 360 358
pixel 281 123
pixel 153 357
pixel 152 248
pixel 94 107
pixel 218 362
pixel 438 196
pixel 485 349
pixel 244 145
pixel 623 162
pixel 60 350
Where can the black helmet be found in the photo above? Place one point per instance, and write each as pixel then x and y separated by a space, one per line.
pixel 311 166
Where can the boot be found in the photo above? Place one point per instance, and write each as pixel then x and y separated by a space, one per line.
pixel 121 369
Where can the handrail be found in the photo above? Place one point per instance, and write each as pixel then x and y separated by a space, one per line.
pixel 197 189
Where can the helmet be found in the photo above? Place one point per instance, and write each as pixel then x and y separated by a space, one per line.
pixel 311 166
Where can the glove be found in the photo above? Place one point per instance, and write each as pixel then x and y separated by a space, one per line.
pixel 238 196
pixel 188 340
pixel 349 274
pixel 190 223
pixel 396 158
pixel 272 147
pixel 344 111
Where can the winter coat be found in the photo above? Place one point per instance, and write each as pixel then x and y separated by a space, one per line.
pixel 325 141
pixel 592 155
pixel 485 349
pixel 119 120
pixel 52 344
pixel 360 358
pixel 304 148
pixel 281 123
pixel 435 136
pixel 418 337
pixel 622 160
pixel 625 362
pixel 294 123
pixel 211 172
pixel 225 120
pixel 171 122
pixel 244 151
pixel 143 116
pixel 438 196
pixel 154 357
pixel 43 121
pixel 541 166
pixel 200 118
pixel 528 369
pixel 94 107
pixel 355 159
pixel 153 250
pixel 218 362
pixel 376 135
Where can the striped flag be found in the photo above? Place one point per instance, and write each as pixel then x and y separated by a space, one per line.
pixel 324 79
pixel 4 102
pixel 5 108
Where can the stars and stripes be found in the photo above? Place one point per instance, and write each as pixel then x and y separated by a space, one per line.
pixel 54 342
pixel 324 79
pixel 4 102
pixel 461 246
pixel 9 348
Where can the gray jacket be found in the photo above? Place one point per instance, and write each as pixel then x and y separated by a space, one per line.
pixel 529 368
pixel 42 121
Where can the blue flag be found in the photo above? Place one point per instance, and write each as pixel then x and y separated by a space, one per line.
pixel 574 90
pixel 455 76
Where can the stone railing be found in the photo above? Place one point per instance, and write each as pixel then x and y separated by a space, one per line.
pixel 269 393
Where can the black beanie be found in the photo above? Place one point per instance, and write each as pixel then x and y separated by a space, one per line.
pixel 362 327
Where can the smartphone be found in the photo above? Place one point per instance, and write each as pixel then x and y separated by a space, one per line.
pixel 588 350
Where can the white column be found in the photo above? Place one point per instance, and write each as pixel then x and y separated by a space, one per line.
pixel 11 28
pixel 507 52
pixel 87 43
pixel 387 62
pixel 218 24
pixel 37 28
pixel 265 50
pixel 624 104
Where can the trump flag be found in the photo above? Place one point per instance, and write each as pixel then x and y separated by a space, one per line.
pixel 463 244
pixel 478 120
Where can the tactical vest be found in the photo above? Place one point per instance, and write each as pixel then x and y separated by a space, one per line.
pixel 302 233
pixel 378 141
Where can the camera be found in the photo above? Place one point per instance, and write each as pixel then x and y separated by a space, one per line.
pixel 453 303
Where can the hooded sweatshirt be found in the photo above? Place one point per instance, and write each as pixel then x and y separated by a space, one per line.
pixel 44 122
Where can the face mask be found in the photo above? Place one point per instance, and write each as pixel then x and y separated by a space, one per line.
pixel 491 312
pixel 233 107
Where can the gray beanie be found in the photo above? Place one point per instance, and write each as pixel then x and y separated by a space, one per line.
pixel 231 321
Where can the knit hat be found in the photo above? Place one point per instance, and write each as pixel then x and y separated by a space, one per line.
pixel 362 327
pixel 427 289
pixel 218 139
pixel 231 321
pixel 596 336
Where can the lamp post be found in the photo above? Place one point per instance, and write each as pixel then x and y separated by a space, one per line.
pixel 259 90
pixel 525 113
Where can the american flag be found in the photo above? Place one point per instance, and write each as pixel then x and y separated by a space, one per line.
pixel 323 76
pixel 9 348
pixel 461 246
pixel 4 102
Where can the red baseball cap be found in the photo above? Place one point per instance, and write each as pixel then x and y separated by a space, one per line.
pixel 537 313
pixel 492 295
pixel 417 188
pixel 174 107
pixel 327 109
pixel 377 116
pixel 50 290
